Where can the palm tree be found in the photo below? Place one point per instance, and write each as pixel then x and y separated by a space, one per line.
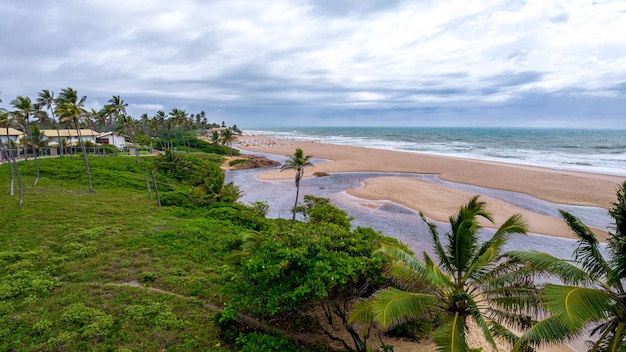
pixel 5 121
pixel 472 282
pixel 24 108
pixel 592 289
pixel 129 127
pixel 70 109
pixel 297 162
pixel 215 138
pixel 46 98
pixel 116 108
pixel 228 138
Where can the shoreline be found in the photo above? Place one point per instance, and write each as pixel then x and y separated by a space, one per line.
pixel 439 201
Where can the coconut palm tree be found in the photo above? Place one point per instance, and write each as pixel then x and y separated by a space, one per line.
pixel 129 127
pixel 6 121
pixel 473 281
pixel 71 109
pixel 297 162
pixel 24 108
pixel 116 107
pixel 591 289
pixel 228 138
pixel 46 98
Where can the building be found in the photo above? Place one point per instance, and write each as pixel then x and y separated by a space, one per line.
pixel 14 135
pixel 112 138
pixel 70 136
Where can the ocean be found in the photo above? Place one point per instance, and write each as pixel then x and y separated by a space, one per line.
pixel 591 150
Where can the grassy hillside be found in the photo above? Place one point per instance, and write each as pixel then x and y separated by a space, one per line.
pixel 76 267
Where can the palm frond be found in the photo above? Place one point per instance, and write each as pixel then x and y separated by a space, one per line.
pixel 507 335
pixel 574 306
pixel 450 337
pixel 546 265
pixel 587 254
pixel 617 239
pixel 486 258
pixel 513 225
pixel 392 306
pixel 408 278
pixel 548 331
pixel 444 261
pixel 437 277
pixel 476 313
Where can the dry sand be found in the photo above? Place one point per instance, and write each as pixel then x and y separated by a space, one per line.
pixel 438 202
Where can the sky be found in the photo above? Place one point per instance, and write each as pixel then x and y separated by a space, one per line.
pixel 263 63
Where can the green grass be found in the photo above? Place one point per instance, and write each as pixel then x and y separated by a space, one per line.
pixel 67 256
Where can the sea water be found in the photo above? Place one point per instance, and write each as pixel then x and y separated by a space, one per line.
pixel 590 150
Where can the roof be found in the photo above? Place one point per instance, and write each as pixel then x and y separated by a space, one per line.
pixel 104 134
pixel 12 132
pixel 69 133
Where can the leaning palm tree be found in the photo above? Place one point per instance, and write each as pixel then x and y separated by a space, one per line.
pixel 228 138
pixel 472 282
pixel 70 109
pixel 297 162
pixel 592 288
pixel 5 121
pixel 46 98
pixel 24 108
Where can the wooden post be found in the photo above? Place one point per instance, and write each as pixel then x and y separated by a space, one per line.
pixel 148 185
pixel 156 189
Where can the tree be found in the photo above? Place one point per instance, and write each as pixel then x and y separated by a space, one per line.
pixel 129 127
pixel 314 269
pixel 70 109
pixel 46 98
pixel 5 121
pixel 297 162
pixel 592 289
pixel 228 138
pixel 472 281
pixel 24 108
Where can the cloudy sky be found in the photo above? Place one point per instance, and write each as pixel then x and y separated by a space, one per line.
pixel 328 62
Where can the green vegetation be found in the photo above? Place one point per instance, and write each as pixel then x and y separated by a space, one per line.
pixel 473 282
pixel 113 271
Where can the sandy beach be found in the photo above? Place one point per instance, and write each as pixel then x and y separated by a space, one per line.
pixel 438 201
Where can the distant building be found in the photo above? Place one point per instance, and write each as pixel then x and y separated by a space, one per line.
pixel 70 136
pixel 14 135
pixel 112 138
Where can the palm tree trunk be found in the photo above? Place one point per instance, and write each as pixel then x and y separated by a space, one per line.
pixel 82 147
pixel 132 140
pixel 19 183
pixel 297 193
pixel 32 144
pixel 60 144
pixel 8 159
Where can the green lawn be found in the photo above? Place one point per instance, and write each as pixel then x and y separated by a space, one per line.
pixel 71 262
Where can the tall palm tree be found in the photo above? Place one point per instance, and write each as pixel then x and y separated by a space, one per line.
pixel 228 138
pixel 70 109
pixel 129 127
pixel 46 98
pixel 472 282
pixel 5 121
pixel 24 108
pixel 117 107
pixel 592 290
pixel 297 162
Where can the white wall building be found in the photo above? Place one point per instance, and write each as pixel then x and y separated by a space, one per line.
pixel 112 138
